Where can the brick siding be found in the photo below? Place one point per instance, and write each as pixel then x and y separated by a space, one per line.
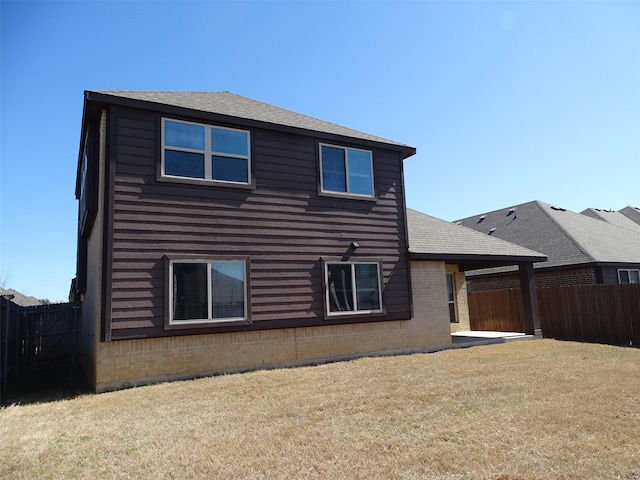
pixel 557 278
pixel 126 363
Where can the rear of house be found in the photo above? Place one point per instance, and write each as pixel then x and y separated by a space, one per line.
pixel 217 233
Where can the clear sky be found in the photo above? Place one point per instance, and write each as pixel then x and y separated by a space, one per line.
pixel 505 101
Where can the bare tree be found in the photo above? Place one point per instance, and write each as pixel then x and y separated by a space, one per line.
pixel 5 277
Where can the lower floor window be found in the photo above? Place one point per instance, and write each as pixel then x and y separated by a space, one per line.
pixel 451 298
pixel 353 287
pixel 207 290
pixel 628 276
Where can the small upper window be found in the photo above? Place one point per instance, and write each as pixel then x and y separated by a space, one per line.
pixel 346 170
pixel 192 150
pixel 628 276
pixel 353 287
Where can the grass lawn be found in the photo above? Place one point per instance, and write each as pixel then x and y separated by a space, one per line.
pixel 522 410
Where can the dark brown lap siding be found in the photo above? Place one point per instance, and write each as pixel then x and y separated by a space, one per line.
pixel 283 225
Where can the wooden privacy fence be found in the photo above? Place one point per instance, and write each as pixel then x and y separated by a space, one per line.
pixel 586 313
pixel 37 338
pixel 496 310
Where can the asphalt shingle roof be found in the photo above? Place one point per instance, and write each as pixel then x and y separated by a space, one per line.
pixel 567 238
pixel 19 298
pixel 615 218
pixel 232 105
pixel 632 212
pixel 431 236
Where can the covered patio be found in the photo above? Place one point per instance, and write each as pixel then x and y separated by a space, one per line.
pixel 463 249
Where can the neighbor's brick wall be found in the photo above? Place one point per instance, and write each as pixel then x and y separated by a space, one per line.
pixel 565 278
pixel 136 362
pixel 462 305
pixel 558 278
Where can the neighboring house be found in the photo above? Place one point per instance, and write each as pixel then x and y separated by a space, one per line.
pixel 460 249
pixel 628 217
pixel 581 249
pixel 217 233
pixel 20 299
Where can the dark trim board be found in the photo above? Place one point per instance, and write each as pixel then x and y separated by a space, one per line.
pixel 473 262
pixel 136 333
pixel 107 249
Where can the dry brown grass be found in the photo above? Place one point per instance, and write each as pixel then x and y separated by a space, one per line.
pixel 522 410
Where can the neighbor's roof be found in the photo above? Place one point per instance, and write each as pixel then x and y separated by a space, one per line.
pixel 566 237
pixel 632 212
pixel 19 298
pixel 615 218
pixel 232 105
pixel 433 239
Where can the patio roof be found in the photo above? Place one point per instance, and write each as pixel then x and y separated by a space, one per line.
pixel 433 239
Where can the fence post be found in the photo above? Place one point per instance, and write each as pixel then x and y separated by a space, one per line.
pixel 529 299
pixel 5 369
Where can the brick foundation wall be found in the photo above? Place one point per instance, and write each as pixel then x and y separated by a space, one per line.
pixel 126 363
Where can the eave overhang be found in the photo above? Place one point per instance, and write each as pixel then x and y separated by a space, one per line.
pixel 99 100
pixel 474 262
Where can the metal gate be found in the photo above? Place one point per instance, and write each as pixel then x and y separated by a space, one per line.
pixel 37 338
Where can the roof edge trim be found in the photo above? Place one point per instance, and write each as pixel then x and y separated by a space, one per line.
pixel 102 97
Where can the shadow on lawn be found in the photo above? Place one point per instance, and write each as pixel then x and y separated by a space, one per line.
pixel 46 386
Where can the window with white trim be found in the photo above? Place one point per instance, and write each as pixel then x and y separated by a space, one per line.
pixel 346 170
pixel 628 275
pixel 193 150
pixel 207 291
pixel 84 169
pixel 451 298
pixel 352 287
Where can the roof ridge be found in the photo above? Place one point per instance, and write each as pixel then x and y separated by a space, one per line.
pixel 224 102
pixel 302 114
pixel 564 230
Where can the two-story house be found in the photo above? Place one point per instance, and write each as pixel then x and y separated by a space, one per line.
pixel 217 233
pixel 220 233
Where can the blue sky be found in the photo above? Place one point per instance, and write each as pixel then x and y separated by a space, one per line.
pixel 505 101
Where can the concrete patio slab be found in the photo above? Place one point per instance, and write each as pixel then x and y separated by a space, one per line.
pixel 473 338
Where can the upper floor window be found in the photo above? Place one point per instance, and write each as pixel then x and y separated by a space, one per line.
pixel 193 150
pixel 346 170
pixel 353 287
pixel 628 276
pixel 86 185
pixel 83 183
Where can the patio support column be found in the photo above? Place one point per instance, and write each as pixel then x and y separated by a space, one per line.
pixel 529 299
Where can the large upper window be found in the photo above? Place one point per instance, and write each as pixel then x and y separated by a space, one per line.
pixel 84 169
pixel 352 287
pixel 628 276
pixel 346 170
pixel 205 291
pixel 192 150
